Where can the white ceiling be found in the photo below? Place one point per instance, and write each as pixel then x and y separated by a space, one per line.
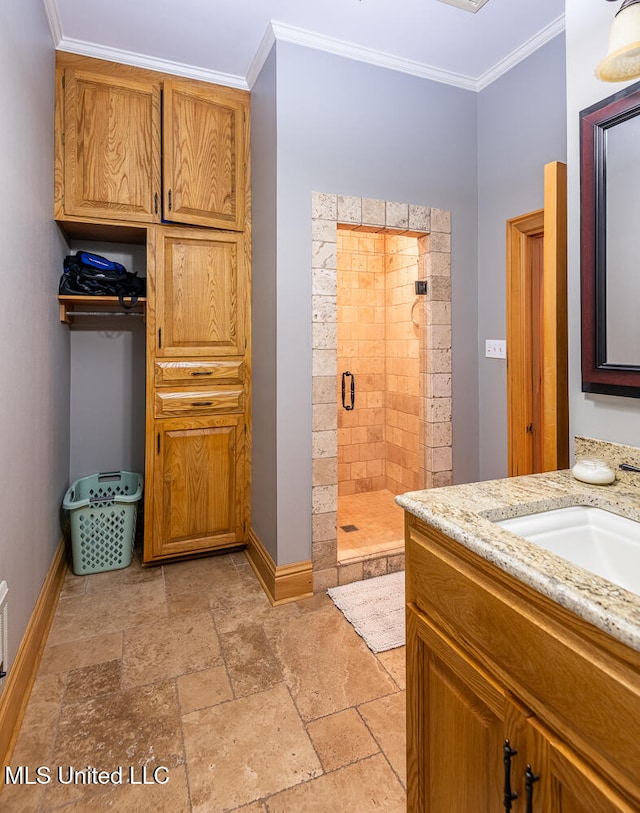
pixel 226 41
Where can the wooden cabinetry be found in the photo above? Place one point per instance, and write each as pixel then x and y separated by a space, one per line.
pixel 203 152
pixel 139 146
pixel 197 392
pixel 138 152
pixel 111 146
pixel 201 292
pixel 508 693
pixel 195 485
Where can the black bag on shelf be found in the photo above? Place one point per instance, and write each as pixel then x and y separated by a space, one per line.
pixel 88 274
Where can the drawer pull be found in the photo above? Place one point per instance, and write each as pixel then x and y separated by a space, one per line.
pixel 529 778
pixel 201 403
pixel 509 795
pixel 202 372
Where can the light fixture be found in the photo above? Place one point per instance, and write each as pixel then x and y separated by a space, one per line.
pixel 622 61
pixel 467 5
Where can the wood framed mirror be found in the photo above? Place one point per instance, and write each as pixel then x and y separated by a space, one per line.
pixel 609 254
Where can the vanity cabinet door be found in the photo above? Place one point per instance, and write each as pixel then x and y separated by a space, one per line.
pixel 575 788
pixel 458 724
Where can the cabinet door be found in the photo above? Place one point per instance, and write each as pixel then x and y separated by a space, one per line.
pixel 196 498
pixel 458 720
pixel 203 154
pixel 199 302
pixel 576 788
pixel 111 147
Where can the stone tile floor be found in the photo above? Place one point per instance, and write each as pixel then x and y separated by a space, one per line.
pixel 380 524
pixel 192 693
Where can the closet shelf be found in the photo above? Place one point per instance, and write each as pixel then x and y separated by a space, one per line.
pixel 90 306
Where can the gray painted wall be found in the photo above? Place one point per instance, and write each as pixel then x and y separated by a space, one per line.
pixel 34 356
pixel 587 28
pixel 521 127
pixel 264 313
pixel 350 128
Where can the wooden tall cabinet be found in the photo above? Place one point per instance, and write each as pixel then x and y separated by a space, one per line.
pixel 198 393
pixel 513 703
pixel 143 153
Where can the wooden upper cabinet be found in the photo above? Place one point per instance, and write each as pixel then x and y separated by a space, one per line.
pixel 111 147
pixel 199 303
pixel 203 152
pixel 135 145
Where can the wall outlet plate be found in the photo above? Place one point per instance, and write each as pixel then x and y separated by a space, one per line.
pixel 495 349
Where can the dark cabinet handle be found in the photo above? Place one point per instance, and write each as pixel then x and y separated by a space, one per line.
pixel 509 795
pixel 352 403
pixel 529 778
pixel 202 372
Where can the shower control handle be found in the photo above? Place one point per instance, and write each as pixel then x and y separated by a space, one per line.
pixel 351 404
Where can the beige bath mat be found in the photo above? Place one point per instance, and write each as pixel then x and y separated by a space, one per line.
pixel 375 608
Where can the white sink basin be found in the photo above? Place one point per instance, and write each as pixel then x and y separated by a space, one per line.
pixel 604 543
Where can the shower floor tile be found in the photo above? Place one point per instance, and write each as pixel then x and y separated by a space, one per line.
pixel 379 523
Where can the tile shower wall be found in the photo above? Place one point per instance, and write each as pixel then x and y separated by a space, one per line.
pixel 404 409
pixel 364 216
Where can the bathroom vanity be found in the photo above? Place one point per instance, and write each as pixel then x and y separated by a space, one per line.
pixel 523 670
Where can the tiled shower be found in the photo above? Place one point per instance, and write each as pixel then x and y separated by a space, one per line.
pixel 380 416
pixel 391 349
pixel 378 343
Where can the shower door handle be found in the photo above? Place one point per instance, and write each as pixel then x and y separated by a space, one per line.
pixel 352 390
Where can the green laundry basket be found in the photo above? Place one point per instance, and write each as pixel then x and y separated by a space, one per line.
pixel 102 510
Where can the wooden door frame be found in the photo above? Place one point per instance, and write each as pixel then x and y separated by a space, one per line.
pixel 552 222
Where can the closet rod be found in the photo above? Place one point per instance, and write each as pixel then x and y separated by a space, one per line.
pixel 103 313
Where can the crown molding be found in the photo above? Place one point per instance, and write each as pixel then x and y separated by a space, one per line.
pixel 150 63
pixel 264 49
pixel 277 31
pixel 55 26
pixel 309 39
pixel 527 48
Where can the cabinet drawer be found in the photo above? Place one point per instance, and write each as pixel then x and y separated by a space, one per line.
pixel 172 373
pixel 198 402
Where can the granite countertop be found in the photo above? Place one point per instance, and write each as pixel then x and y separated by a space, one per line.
pixel 467 513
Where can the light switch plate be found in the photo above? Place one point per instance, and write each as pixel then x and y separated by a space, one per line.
pixel 495 348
